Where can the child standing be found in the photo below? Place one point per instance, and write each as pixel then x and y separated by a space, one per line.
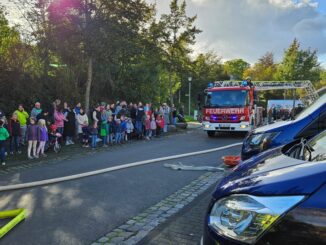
pixel 123 128
pixel 32 137
pixel 147 127
pixel 14 131
pixel 163 124
pixel 118 132
pixel 153 126
pixel 43 137
pixel 59 119
pixel 158 125
pixel 130 129
pixel 4 135
pixel 82 121
pixel 111 129
pixel 93 131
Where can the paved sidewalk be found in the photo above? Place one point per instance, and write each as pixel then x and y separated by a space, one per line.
pixel 185 228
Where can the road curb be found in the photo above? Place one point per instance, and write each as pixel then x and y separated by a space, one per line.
pixel 137 228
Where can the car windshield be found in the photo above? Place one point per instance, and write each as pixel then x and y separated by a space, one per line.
pixel 226 98
pixel 312 107
pixel 318 148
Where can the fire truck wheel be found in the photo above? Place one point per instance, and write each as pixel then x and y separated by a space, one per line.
pixel 211 133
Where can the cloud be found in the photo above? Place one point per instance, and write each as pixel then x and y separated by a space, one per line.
pixel 249 28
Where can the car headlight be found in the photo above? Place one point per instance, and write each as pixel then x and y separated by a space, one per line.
pixel 244 218
pixel 260 141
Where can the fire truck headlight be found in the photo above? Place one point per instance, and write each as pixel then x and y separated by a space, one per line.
pixel 207 126
pixel 244 126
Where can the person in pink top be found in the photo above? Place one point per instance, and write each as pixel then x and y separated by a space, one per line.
pixel 59 119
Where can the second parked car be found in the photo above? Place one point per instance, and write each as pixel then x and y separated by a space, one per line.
pixel 307 124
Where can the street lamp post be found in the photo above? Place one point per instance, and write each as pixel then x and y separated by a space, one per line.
pixel 189 94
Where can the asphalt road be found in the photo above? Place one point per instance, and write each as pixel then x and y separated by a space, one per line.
pixel 80 211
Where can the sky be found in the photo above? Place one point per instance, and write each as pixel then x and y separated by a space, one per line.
pixel 248 29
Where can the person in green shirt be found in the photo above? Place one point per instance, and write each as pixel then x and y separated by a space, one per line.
pixel 22 118
pixel 4 135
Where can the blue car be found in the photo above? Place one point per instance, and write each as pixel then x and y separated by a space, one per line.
pixel 278 197
pixel 307 124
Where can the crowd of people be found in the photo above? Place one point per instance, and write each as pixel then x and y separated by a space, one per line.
pixel 106 124
pixel 279 113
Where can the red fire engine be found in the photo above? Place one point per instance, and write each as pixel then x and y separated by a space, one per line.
pixel 230 105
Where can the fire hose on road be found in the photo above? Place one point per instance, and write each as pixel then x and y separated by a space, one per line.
pixel 180 166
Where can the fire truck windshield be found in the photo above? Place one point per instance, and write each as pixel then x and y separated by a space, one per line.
pixel 226 99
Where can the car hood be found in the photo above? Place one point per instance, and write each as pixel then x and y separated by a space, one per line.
pixel 272 173
pixel 273 127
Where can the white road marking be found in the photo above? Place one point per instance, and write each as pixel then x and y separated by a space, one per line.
pixel 110 169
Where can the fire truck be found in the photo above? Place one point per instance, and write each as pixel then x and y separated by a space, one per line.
pixel 231 105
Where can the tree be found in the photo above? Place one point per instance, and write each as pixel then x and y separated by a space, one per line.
pixel 205 68
pixel 17 69
pixel 235 68
pixel 263 70
pixel 105 38
pixel 178 34
pixel 322 82
pixel 298 64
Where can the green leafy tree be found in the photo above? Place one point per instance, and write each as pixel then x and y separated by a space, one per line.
pixel 298 64
pixel 322 83
pixel 16 67
pixel 235 68
pixel 179 34
pixel 206 68
pixel 263 70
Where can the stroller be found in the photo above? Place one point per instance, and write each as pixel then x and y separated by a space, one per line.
pixel 54 138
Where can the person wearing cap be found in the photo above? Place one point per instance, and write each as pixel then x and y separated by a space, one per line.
pixel 22 118
pixel 36 110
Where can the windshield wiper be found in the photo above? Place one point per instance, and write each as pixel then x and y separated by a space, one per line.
pixel 298 150
pixel 319 157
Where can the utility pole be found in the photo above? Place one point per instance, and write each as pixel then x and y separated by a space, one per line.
pixel 189 94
